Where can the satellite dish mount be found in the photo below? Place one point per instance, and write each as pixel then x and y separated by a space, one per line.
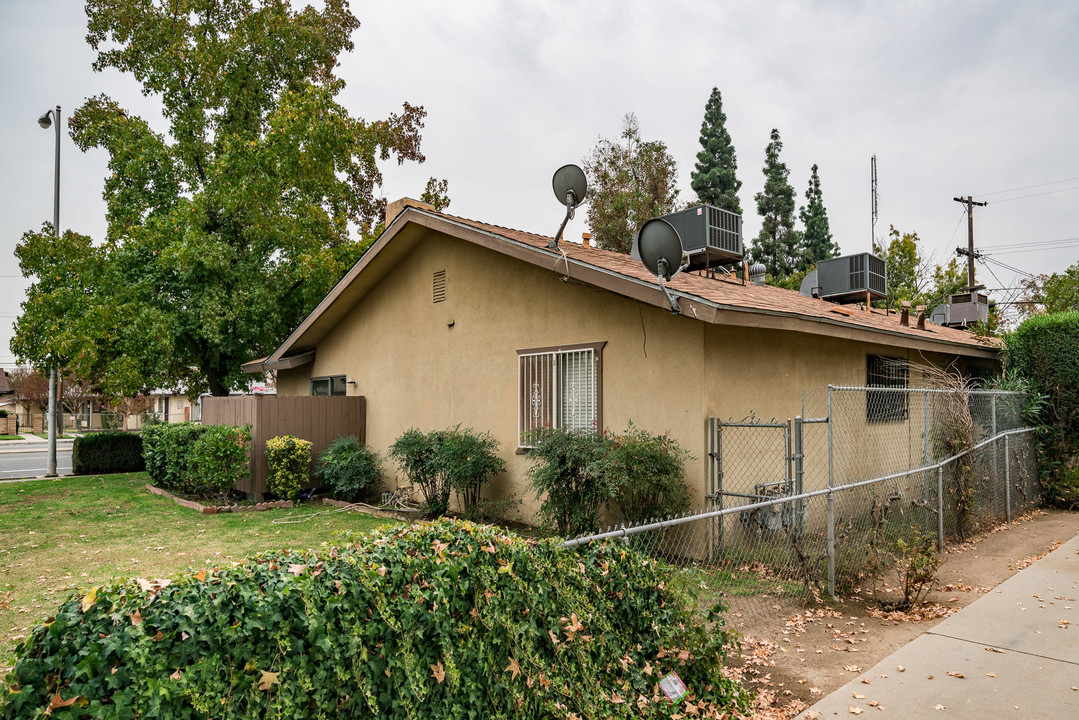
pixel 659 247
pixel 570 187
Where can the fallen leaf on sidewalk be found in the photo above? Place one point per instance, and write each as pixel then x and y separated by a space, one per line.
pixel 854 710
pixel 900 668
pixel 938 706
pixel 996 650
pixel 956 674
pixel 992 675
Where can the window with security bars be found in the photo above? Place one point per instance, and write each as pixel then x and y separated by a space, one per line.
pixel 559 388
pixel 885 405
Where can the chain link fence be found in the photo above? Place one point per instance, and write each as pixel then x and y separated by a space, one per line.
pixel 806 507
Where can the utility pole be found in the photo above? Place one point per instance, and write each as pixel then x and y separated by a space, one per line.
pixel 969 251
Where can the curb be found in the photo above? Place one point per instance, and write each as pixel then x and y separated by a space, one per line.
pixel 216 509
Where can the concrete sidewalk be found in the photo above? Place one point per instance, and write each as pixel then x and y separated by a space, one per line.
pixel 1012 653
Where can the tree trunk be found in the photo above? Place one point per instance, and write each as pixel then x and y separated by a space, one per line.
pixel 213 379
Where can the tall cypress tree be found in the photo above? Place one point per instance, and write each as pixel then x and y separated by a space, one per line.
pixel 817 241
pixel 714 177
pixel 778 243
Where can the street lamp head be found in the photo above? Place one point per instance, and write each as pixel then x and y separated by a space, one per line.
pixel 45 120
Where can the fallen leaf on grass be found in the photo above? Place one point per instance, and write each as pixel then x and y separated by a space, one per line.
pixel 812 715
pixel 438 672
pixel 136 617
pixel 852 668
pixel 815 691
pixel 200 575
pixel 514 668
pixel 175 675
pixel 296 569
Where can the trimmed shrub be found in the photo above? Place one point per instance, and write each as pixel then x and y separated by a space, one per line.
pixel 349 468
pixel 107 452
pixel 498 627
pixel 469 461
pixel 567 476
pixel 196 459
pixel 448 460
pixel 646 474
pixel 289 459
pixel 218 459
pixel 416 452
pixel 3 413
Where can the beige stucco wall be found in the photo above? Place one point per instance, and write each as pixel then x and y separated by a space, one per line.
pixel 434 365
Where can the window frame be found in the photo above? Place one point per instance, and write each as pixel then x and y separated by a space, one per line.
pixel 329 379
pixel 524 401
pixel 890 374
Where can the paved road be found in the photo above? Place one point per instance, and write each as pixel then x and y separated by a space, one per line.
pixel 23 461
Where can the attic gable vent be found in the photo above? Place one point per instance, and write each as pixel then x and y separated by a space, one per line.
pixel 439 286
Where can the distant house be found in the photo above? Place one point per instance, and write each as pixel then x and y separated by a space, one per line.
pixel 448 321
pixel 5 384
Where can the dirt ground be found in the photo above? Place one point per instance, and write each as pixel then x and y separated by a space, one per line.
pixel 802 654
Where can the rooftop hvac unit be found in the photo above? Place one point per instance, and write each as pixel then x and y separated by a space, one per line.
pixel 962 309
pixel 849 278
pixel 711 236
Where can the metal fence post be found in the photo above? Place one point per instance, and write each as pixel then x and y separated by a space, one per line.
pixel 831 500
pixel 1007 481
pixel 799 471
pixel 940 509
pixel 925 437
pixel 996 463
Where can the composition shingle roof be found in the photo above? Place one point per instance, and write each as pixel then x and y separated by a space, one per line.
pixel 5 384
pixel 721 298
pixel 730 292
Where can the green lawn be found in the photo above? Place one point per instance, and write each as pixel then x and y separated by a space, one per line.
pixel 60 535
pixel 10 437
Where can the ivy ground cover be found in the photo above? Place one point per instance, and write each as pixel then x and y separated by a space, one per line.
pixel 438 620
pixel 57 536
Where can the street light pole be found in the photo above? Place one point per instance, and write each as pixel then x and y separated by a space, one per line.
pixel 44 121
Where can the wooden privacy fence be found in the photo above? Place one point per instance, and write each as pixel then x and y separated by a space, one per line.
pixel 320 420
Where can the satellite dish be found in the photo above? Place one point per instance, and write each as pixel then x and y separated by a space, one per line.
pixel 659 247
pixel 570 187
pixel 810 287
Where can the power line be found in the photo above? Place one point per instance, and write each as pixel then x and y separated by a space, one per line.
pixel 1025 187
pixel 1029 245
pixel 1024 197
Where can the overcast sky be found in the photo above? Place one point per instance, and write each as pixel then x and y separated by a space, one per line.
pixel 953 98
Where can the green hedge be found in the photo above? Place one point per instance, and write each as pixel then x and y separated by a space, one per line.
pixel 1045 351
pixel 440 620
pixel 107 452
pixel 202 460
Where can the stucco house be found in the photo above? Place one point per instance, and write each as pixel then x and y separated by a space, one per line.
pixel 447 320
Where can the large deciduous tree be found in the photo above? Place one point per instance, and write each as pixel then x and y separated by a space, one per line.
pixel 817 243
pixel 225 230
pixel 778 245
pixel 714 177
pixel 630 182
pixel 912 277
